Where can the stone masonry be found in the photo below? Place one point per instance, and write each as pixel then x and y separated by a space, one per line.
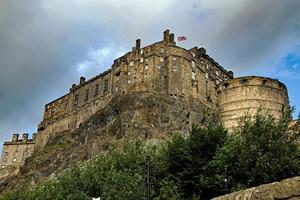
pixel 162 68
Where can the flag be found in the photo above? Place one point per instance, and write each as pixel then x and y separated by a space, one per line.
pixel 181 38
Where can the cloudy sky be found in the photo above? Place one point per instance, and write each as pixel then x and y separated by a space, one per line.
pixel 46 45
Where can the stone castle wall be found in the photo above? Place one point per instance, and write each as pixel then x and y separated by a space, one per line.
pixel 161 67
pixel 246 95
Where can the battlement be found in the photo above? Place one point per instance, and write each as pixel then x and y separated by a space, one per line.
pixel 254 81
pixel 24 140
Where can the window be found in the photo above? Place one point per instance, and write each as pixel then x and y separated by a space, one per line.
pixel 193 76
pixel 128 73
pixel 131 63
pixel 217 73
pixel 14 160
pixel 146 59
pixel 96 90
pixel 105 85
pixel 174 68
pixel 142 51
pixel 217 82
pixel 76 98
pixel 146 67
pixel 206 75
pixel 161 50
pixel 86 96
pixel 118 74
pixel 161 59
pixel 193 64
pixel 117 89
pixel 142 60
pixel 129 81
pixel 174 58
pixel 206 86
pixel 193 54
pixel 158 66
pixel 207 67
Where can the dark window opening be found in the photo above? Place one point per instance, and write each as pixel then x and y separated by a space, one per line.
pixel 105 86
pixel 76 98
pixel 96 90
pixel 86 97
pixel 243 81
pixel 264 82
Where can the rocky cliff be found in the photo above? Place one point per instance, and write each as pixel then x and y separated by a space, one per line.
pixel 137 115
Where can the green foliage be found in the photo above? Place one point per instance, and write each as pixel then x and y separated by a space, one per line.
pixel 187 158
pixel 262 150
pixel 206 163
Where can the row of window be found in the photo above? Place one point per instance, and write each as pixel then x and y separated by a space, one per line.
pixel 87 93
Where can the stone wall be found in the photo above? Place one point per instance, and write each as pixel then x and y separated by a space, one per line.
pixel 16 151
pixel 288 189
pixel 245 95
pixel 162 68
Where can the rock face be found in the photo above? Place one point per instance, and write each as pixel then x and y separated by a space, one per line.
pixel 138 115
pixel 288 189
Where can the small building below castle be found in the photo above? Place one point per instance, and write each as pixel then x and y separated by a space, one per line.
pixel 16 151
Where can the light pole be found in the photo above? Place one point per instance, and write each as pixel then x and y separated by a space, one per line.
pixel 148 183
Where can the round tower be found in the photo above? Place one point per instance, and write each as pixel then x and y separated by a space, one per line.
pixel 245 95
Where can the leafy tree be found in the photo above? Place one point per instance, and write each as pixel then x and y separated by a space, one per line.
pixel 188 157
pixel 261 150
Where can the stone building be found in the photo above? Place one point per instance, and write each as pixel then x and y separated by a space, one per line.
pixel 246 95
pixel 160 68
pixel 16 151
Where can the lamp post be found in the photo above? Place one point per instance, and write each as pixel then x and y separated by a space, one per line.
pixel 148 183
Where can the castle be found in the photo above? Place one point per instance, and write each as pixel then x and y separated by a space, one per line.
pixel 160 68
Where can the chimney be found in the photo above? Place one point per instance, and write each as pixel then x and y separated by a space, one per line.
pixel 202 51
pixel 25 137
pixel 171 38
pixel 15 137
pixel 138 44
pixel 82 80
pixel 166 35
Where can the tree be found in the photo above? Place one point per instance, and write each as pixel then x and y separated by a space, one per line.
pixel 261 150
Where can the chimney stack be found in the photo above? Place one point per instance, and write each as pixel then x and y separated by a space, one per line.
pixel 25 137
pixel 15 137
pixel 82 80
pixel 171 38
pixel 166 35
pixel 138 44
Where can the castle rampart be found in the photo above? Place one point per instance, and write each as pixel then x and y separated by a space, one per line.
pixel 246 95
